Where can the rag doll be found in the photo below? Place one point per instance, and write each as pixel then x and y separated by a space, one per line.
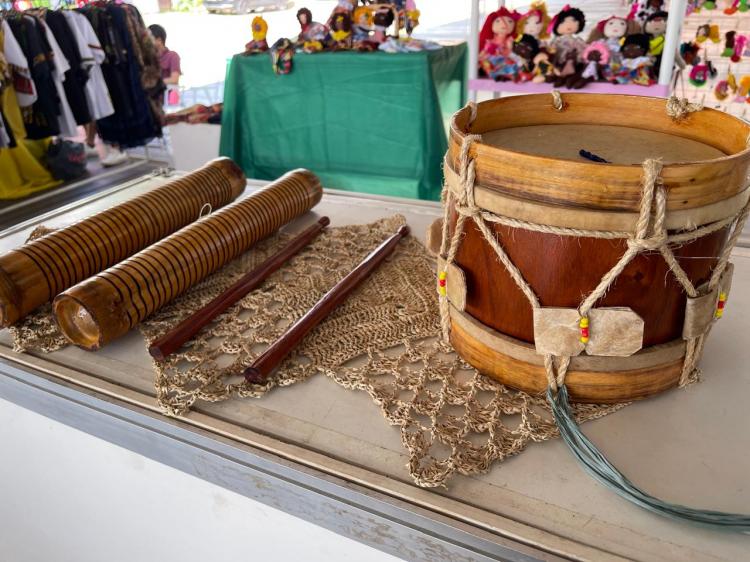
pixel 259 43
pixel 596 58
pixel 648 7
pixel 525 49
pixel 743 88
pixel 496 42
pixel 362 23
pixel 411 17
pixel 341 31
pixel 382 20
pixel 313 36
pixel 566 45
pixel 706 32
pixel 689 53
pixel 636 64
pixel 535 23
pixel 656 28
pixel 496 36
pixel 739 46
pixel 282 54
pixel 729 38
pixel 612 30
pixel 544 70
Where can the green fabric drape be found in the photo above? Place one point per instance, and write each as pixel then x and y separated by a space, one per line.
pixel 368 122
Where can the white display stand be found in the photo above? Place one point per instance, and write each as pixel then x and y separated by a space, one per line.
pixel 326 455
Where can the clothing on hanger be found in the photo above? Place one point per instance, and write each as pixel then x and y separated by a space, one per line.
pixel 92 56
pixel 41 120
pixel 22 173
pixel 66 120
pixel 77 75
pixel 19 67
pixel 133 122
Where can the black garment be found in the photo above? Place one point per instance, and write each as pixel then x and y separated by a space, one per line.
pixel 132 123
pixel 77 76
pixel 42 119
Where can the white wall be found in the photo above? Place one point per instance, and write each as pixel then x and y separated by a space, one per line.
pixel 68 497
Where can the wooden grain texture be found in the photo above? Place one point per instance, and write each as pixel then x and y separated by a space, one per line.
pixel 272 357
pixel 602 387
pixel 563 270
pixel 36 272
pixel 604 186
pixel 589 219
pixel 108 305
pixel 193 324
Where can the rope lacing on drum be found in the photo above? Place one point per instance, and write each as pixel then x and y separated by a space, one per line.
pixel 650 234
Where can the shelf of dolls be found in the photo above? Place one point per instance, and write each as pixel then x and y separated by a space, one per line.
pixel 487 85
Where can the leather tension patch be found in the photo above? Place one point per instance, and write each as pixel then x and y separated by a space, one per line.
pixel 700 312
pixel 455 284
pixel 613 332
pixel 434 236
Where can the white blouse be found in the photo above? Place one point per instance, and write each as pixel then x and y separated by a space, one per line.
pixel 92 55
pixel 19 66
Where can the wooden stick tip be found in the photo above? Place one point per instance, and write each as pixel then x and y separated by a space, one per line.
pixel 324 221
pixel 404 230
pixel 156 352
pixel 253 375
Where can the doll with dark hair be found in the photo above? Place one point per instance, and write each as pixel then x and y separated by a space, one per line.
pixel 313 36
pixel 636 64
pixel 341 31
pixel 566 45
pixel 543 70
pixel 596 58
pixel 648 7
pixel 656 29
pixel 382 19
pixel 524 51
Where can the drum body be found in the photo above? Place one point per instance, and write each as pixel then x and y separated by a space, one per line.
pixel 494 325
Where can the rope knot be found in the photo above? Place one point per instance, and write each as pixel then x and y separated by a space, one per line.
pixel 655 242
pixel 557 101
pixel 468 211
pixel 679 108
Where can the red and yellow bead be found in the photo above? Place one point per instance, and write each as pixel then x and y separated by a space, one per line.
pixel 442 276
pixel 720 305
pixel 583 324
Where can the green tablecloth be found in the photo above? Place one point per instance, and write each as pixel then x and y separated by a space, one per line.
pixel 370 122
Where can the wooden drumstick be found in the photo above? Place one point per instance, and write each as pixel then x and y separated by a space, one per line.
pixel 272 357
pixel 185 330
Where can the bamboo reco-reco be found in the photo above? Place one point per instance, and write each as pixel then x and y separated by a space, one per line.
pixel 106 306
pixel 36 272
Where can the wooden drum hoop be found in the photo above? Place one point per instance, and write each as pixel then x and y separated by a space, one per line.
pixel 680 220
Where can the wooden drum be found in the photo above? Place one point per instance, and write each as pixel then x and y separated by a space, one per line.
pixel 562 223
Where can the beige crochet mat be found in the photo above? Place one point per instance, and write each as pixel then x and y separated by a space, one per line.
pixel 383 341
